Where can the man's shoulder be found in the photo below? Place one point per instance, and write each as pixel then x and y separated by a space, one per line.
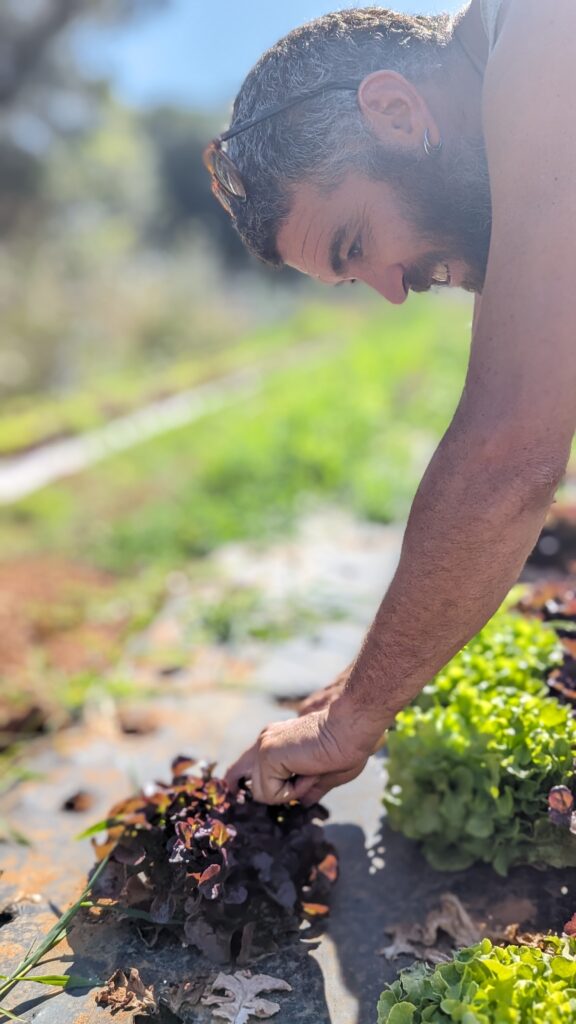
pixel 529 93
pixel 516 19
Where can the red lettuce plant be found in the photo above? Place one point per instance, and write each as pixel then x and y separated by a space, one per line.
pixel 222 872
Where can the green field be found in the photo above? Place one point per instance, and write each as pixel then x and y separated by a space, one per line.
pixel 354 424
pixel 29 421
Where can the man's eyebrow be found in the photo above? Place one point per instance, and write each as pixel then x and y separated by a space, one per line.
pixel 336 263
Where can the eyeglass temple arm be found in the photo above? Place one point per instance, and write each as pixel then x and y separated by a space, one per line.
pixel 346 85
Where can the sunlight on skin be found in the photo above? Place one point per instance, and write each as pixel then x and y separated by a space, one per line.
pixel 378 246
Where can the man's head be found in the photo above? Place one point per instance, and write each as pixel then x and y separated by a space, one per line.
pixel 352 184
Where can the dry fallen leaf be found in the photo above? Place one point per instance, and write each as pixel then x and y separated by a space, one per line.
pixel 519 938
pixel 512 912
pixel 421 940
pixel 240 998
pixel 126 992
pixel 183 995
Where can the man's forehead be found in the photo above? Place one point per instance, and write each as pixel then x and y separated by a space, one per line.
pixel 316 218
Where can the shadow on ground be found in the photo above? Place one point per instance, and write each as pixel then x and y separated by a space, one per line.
pixel 397 885
pixel 384 879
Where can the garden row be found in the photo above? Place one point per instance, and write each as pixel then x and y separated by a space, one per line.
pixel 356 427
pixel 472 765
pixel 30 421
pixel 481 769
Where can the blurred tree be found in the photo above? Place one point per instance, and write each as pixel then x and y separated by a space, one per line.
pixel 43 94
pixel 28 29
pixel 111 243
pixel 77 187
pixel 179 137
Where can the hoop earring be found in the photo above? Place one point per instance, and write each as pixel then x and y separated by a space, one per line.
pixel 429 148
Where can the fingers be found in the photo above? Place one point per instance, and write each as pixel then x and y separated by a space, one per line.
pixel 325 783
pixel 283 791
pixel 315 702
pixel 308 789
pixel 298 760
pixel 273 785
pixel 266 787
pixel 271 789
pixel 242 768
pixel 323 698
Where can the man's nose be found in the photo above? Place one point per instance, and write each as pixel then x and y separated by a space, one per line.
pixel 389 282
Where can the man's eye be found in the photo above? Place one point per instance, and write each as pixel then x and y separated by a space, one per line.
pixel 355 250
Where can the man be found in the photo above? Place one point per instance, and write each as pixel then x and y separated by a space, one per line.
pixel 402 152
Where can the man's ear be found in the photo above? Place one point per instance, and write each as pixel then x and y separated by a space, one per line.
pixel 395 111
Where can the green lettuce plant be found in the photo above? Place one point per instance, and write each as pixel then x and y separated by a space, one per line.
pixel 486 984
pixel 511 651
pixel 472 761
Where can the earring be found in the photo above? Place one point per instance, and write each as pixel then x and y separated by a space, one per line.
pixel 429 148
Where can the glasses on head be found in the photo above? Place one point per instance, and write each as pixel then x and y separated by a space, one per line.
pixel 227 183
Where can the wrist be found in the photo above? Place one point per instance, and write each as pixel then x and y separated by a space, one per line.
pixel 364 728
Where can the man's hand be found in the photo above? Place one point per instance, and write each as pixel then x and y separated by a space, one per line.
pixel 303 759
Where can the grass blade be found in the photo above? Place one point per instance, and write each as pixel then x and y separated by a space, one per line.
pixel 55 935
pixel 10 1016
pixel 100 826
pixel 10 834
pixel 62 980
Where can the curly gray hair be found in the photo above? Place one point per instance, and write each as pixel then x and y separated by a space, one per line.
pixel 321 138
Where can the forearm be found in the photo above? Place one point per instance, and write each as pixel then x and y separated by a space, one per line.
pixel 473 523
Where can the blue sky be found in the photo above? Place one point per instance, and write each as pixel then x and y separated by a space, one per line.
pixel 197 52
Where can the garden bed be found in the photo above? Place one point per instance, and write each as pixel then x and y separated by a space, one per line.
pixel 472 761
pixel 481 769
pixel 385 881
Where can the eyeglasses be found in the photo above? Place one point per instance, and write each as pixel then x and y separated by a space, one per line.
pixel 227 183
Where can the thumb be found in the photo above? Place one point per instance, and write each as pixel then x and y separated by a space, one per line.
pixel 325 783
pixel 242 768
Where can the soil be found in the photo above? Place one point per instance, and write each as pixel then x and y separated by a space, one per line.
pixel 44 605
pixel 384 878
pixel 40 600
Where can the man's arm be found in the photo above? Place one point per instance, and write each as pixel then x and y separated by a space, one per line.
pixel 483 499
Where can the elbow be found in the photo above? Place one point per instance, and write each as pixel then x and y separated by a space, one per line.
pixel 538 481
pixel 526 476
pixel 522 454
pixel 520 474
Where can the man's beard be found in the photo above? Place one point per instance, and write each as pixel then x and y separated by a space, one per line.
pixel 446 199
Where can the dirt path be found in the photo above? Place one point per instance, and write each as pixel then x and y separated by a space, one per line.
pixel 27 473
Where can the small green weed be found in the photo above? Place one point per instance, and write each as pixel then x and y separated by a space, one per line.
pixel 23 972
